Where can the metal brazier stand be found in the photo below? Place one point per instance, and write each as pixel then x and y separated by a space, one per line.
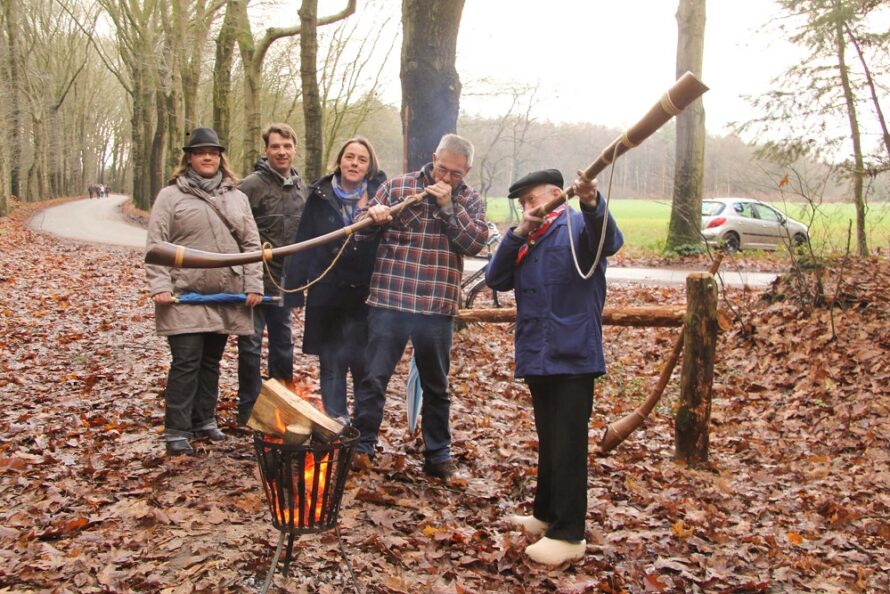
pixel 304 485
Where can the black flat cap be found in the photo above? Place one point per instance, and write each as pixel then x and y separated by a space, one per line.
pixel 201 137
pixel 535 178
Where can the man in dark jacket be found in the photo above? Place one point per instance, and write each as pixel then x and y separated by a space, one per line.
pixel 277 196
pixel 559 349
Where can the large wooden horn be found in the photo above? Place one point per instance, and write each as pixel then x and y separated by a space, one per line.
pixel 686 90
pixel 620 429
pixel 178 256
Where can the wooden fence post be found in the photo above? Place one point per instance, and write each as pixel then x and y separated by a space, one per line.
pixel 694 412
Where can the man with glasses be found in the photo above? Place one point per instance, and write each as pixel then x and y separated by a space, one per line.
pixel 277 196
pixel 559 348
pixel 415 292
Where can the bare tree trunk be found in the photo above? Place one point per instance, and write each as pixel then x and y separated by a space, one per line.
pixel 312 114
pixel 253 54
pixel 430 83
pixel 157 163
pixel 885 133
pixel 15 121
pixel 222 71
pixel 685 224
pixel 858 162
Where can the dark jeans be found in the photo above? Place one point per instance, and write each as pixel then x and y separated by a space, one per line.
pixel 334 364
pixel 389 331
pixel 192 383
pixel 337 332
pixel 277 320
pixel 562 406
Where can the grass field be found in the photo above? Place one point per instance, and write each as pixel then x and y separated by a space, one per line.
pixel 645 222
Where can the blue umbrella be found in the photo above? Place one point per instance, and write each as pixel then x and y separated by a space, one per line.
pixel 413 396
pixel 191 298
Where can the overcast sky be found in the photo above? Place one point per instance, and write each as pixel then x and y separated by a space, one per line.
pixel 599 61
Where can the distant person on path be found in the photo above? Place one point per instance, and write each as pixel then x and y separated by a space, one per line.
pixel 336 324
pixel 415 291
pixel 200 208
pixel 558 346
pixel 92 190
pixel 277 196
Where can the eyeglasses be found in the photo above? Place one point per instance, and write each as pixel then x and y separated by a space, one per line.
pixel 454 174
pixel 525 201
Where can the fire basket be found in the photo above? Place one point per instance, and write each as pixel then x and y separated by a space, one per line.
pixel 304 485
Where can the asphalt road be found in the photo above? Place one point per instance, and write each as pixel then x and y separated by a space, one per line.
pixel 99 220
pixel 96 220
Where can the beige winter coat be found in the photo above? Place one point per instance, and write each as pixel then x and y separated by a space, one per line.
pixel 182 217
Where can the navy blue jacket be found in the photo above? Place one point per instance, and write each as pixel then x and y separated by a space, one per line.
pixel 558 314
pixel 353 270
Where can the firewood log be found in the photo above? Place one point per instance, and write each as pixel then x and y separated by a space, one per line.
pixel 279 411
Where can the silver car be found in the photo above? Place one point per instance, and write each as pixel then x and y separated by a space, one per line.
pixel 743 223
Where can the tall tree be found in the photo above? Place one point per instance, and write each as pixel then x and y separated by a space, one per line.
pixel 253 54
pixel 820 107
pixel 685 225
pixel 312 113
pixel 430 83
pixel 13 64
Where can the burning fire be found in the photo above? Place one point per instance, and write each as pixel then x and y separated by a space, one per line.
pixel 311 470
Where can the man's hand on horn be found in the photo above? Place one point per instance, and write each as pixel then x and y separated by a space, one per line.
pixel 586 190
pixel 380 214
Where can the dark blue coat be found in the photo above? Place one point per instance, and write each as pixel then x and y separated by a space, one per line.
pixel 322 216
pixel 559 314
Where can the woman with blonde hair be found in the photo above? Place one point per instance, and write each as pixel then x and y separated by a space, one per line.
pixel 200 208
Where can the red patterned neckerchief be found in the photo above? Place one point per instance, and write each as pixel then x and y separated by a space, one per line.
pixel 534 235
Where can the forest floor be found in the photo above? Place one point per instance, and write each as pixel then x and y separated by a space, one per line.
pixel 796 497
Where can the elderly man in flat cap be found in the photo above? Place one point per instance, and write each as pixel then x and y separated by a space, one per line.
pixel 558 345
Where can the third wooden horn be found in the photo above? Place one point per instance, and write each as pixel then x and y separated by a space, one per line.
pixel 686 90
pixel 620 429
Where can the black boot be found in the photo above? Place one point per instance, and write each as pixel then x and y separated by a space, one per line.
pixel 214 434
pixel 179 447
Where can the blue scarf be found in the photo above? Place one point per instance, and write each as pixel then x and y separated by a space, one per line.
pixel 348 200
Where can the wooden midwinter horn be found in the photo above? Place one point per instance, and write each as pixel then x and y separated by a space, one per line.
pixel 619 430
pixel 686 90
pixel 178 256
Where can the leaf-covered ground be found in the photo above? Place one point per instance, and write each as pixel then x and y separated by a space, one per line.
pixel 796 498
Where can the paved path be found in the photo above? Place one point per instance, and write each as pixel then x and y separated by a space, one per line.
pixel 100 220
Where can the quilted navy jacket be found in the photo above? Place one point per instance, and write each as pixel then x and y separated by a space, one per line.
pixel 559 314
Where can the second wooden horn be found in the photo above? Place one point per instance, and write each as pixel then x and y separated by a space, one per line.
pixel 179 256
pixel 686 90
pixel 619 430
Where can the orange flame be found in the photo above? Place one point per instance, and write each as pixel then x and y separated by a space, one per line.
pixel 304 498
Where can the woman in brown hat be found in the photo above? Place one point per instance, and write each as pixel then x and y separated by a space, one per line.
pixel 200 208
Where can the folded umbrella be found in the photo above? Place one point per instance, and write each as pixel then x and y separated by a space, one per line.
pixel 413 396
pixel 192 298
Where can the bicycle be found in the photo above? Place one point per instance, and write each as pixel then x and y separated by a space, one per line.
pixel 474 285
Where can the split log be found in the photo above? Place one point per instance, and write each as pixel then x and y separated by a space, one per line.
pixel 697 374
pixel 664 316
pixel 278 411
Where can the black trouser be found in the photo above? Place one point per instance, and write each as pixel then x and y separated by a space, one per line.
pixel 192 383
pixel 562 406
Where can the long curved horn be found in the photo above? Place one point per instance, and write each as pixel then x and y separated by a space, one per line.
pixel 618 431
pixel 686 90
pixel 178 256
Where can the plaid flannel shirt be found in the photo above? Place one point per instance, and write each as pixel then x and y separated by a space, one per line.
pixel 420 258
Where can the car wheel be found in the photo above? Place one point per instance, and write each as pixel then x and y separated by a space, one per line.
pixel 731 243
pixel 799 239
